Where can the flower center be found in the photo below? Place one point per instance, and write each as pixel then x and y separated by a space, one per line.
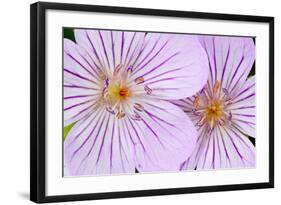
pixel 214 111
pixel 124 92
pixel 211 106
pixel 116 93
pixel 120 91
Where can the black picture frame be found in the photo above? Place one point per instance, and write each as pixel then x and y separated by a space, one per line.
pixel 38 101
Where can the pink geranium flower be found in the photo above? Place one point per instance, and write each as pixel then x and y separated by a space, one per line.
pixel 224 110
pixel 116 88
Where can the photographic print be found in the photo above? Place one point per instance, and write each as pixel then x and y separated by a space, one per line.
pixel 169 102
pixel 148 102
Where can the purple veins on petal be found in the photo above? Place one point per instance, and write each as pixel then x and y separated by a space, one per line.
pixel 117 87
pixel 226 106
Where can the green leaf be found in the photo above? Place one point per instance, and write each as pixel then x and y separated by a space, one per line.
pixel 69 34
pixel 66 129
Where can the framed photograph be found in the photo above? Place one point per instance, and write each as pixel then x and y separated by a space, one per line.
pixel 129 102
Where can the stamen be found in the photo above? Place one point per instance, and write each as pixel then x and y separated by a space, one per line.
pixel 217 87
pixel 117 69
pixel 194 111
pixel 147 90
pixel 211 124
pixel 130 69
pixel 109 109
pixel 104 92
pixel 136 117
pixel 196 102
pixel 120 114
pixel 102 76
pixel 226 94
pixel 107 82
pixel 230 116
pixel 200 122
pixel 139 80
pixel 138 107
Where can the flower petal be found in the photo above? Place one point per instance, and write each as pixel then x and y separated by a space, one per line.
pixel 205 153
pixel 167 136
pixel 241 151
pixel 222 148
pixel 77 107
pixel 243 108
pixel 98 145
pixel 80 83
pixel 168 62
pixel 110 48
pixel 78 65
pixel 187 106
pixel 230 59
